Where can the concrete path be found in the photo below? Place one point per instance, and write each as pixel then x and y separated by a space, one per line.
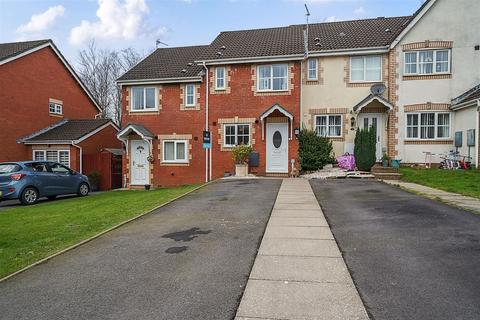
pixel 468 203
pixel 299 272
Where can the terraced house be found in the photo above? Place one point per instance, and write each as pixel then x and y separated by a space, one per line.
pixel 260 87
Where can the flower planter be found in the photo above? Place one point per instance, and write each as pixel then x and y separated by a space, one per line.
pixel 241 170
pixel 147 187
pixel 385 163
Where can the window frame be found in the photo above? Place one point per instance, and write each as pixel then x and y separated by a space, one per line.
pixel 327 124
pixel 236 134
pixel 217 87
pixel 310 69
pixel 44 151
pixel 365 69
pixel 271 77
pixel 57 108
pixel 144 107
pixel 175 143
pixel 185 95
pixel 419 126
pixel 434 67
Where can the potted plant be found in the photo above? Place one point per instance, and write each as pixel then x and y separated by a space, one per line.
pixel 385 160
pixel 94 179
pixel 240 155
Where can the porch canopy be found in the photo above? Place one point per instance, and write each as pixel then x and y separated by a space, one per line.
pixel 138 129
pixel 276 108
pixel 372 98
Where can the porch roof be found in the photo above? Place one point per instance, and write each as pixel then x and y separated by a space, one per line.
pixel 276 107
pixel 369 99
pixel 139 129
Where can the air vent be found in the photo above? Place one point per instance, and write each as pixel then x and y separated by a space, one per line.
pixel 184 71
pixel 223 48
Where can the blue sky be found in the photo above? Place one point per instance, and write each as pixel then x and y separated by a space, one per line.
pixel 138 23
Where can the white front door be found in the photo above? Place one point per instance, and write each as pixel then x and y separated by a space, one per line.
pixel 277 147
pixel 139 164
pixel 367 120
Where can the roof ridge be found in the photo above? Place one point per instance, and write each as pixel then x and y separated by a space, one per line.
pixel 29 41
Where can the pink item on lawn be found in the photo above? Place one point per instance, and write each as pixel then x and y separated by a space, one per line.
pixel 347 161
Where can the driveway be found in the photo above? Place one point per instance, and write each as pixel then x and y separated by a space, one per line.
pixel 410 257
pixel 188 260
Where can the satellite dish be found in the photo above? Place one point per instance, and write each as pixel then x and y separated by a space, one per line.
pixel 377 89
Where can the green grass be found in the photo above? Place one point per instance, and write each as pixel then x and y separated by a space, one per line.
pixel 28 234
pixel 465 182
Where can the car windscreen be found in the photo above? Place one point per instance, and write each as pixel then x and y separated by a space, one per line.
pixel 9 168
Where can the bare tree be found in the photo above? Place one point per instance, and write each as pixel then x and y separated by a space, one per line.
pixel 99 69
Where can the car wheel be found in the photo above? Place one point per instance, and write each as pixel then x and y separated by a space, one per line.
pixel 51 197
pixel 29 196
pixel 83 189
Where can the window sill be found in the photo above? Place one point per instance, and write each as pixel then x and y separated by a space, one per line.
pixel 271 91
pixel 427 76
pixel 429 141
pixel 58 115
pixel 175 163
pixel 144 111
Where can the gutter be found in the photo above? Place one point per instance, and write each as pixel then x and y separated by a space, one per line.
pixel 159 80
pixel 81 155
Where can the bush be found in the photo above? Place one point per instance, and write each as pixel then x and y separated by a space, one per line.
pixel 365 148
pixel 314 151
pixel 94 179
pixel 241 153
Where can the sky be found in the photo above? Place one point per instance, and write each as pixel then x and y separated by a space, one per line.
pixel 119 24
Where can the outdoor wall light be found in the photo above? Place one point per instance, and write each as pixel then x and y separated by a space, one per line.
pixel 352 123
pixel 296 132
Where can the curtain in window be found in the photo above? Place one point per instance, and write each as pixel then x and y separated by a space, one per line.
pixel 427 125
pixel 356 69
pixel 150 98
pixel 169 151
pixel 426 62
pixel 373 68
pixel 412 126
pixel 264 78
pixel 441 61
pixel 279 77
pixel 443 125
pixel 321 126
pixel 411 62
pixel 137 98
pixel 180 150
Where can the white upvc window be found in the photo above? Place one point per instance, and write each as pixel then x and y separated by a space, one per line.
pixel 144 99
pixel 190 95
pixel 236 134
pixel 55 108
pixel 312 72
pixel 272 77
pixel 175 151
pixel 328 125
pixel 428 125
pixel 60 156
pixel 424 62
pixel 220 78
pixel 366 69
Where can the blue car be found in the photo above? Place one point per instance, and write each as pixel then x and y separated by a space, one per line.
pixel 28 181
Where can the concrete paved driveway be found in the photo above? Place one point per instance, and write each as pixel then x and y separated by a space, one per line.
pixel 189 260
pixel 410 257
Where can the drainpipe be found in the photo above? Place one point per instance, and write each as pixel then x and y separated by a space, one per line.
pixel 477 133
pixel 81 155
pixel 207 151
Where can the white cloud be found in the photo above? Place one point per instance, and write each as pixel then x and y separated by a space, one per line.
pixel 40 22
pixel 359 11
pixel 330 19
pixel 117 19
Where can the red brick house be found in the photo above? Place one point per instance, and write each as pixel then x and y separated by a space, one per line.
pixel 47 112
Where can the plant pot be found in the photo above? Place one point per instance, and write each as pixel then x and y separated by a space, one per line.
pixel 385 163
pixel 147 187
pixel 396 163
pixel 241 170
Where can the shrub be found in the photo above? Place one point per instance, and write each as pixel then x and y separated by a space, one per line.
pixel 365 148
pixel 241 153
pixel 314 151
pixel 94 179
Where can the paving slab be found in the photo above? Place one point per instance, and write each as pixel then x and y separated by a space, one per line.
pixel 295 232
pixel 297 206
pixel 292 213
pixel 299 247
pixel 299 221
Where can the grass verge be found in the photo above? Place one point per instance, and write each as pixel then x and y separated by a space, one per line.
pixel 465 182
pixel 29 234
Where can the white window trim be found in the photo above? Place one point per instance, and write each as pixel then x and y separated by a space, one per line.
pixel 316 69
pixel 271 78
pixel 365 70
pixel 327 124
pixel 236 134
pixel 436 126
pixel 434 62
pixel 55 108
pixel 224 79
pixel 44 151
pixel 185 94
pixel 175 160
pixel 144 109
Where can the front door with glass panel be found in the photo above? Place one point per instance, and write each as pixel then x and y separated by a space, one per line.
pixel 139 163
pixel 277 147
pixel 367 120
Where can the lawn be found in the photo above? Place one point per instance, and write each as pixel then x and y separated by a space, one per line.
pixel 28 234
pixel 466 182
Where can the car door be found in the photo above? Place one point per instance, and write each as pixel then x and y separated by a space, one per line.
pixel 44 179
pixel 66 182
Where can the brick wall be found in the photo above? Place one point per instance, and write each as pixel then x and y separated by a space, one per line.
pixel 27 85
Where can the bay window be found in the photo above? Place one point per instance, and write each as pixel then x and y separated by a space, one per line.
pixel 427 62
pixel 272 77
pixel 236 134
pixel 366 69
pixel 328 125
pixel 144 99
pixel 175 151
pixel 428 125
